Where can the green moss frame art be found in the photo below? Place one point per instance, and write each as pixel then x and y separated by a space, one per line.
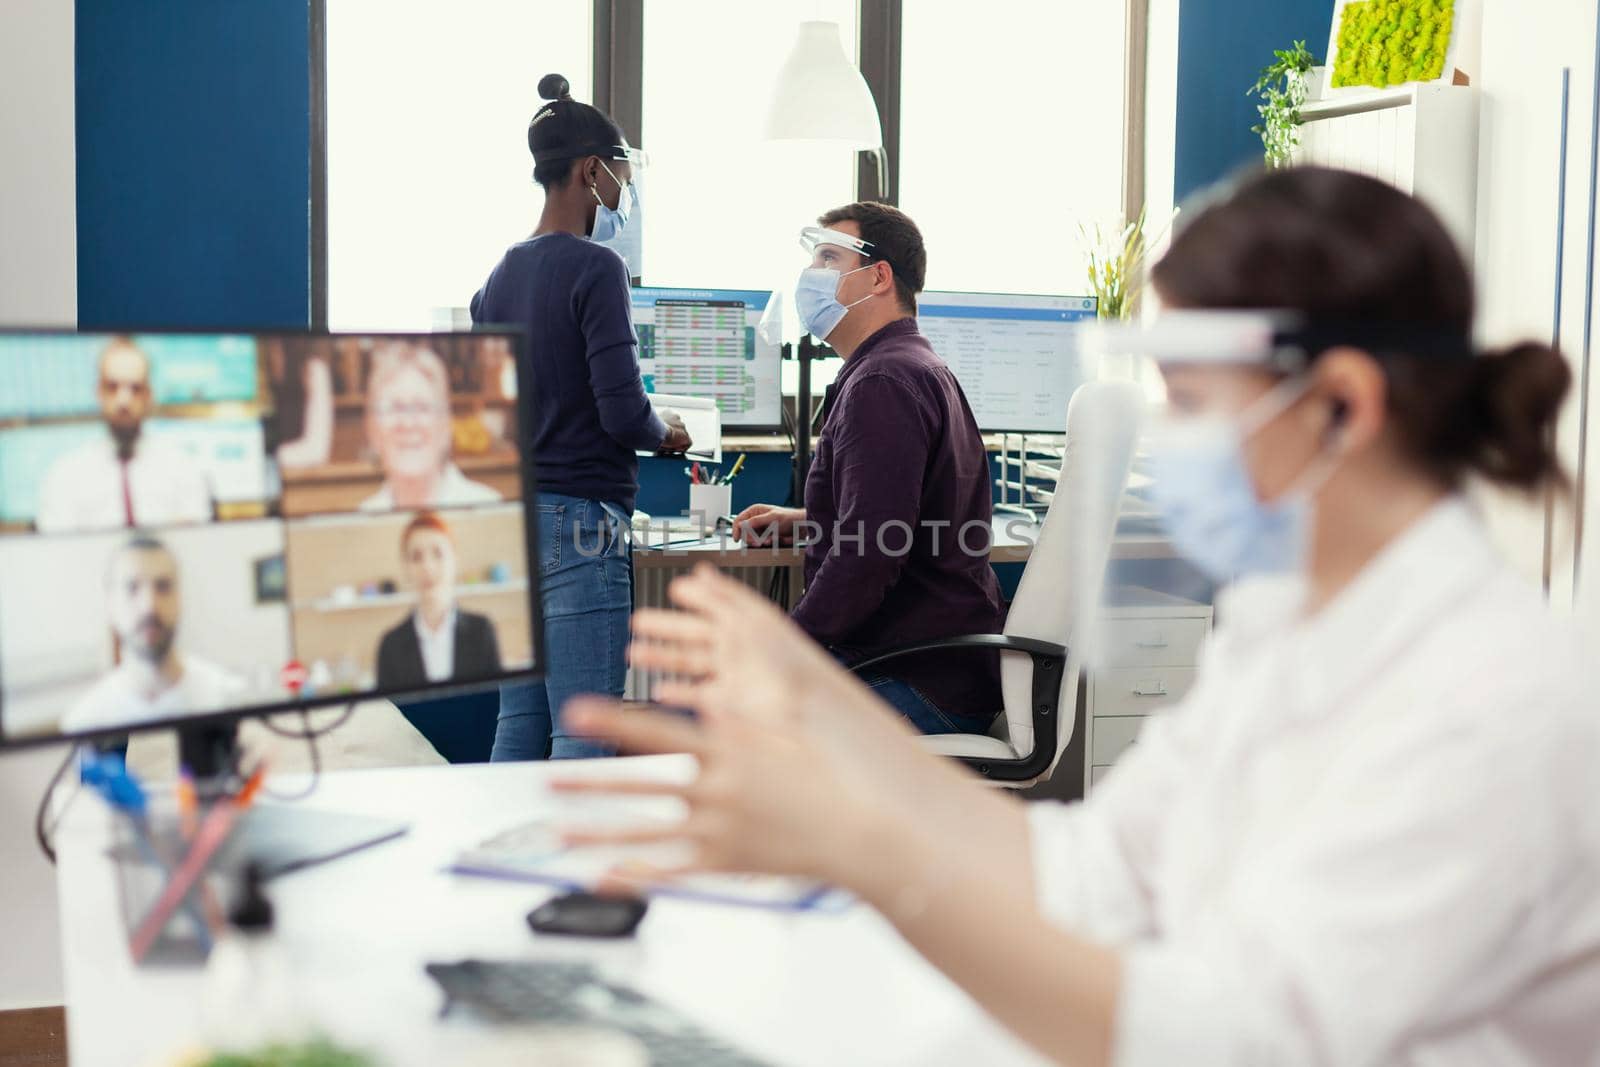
pixel 1380 43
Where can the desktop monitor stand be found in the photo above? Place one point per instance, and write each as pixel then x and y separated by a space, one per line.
pixel 277 837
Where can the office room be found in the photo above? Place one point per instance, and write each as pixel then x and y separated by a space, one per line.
pixel 610 533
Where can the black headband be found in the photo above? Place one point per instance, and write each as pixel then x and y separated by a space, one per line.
pixel 1294 347
pixel 552 155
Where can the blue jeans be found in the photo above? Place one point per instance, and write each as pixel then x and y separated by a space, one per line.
pixel 918 710
pixel 586 589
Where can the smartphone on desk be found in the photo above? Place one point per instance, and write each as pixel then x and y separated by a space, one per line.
pixel 583 914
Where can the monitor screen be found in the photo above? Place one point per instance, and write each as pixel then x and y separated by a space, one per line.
pixel 1015 356
pixel 202 525
pixel 704 342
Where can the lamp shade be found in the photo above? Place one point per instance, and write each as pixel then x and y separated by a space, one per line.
pixel 821 96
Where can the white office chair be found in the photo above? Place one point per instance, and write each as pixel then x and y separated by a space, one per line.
pixel 1040 653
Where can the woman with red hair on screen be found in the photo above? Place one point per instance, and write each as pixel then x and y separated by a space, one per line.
pixel 437 642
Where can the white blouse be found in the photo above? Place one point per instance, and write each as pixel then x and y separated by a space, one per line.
pixel 1367 837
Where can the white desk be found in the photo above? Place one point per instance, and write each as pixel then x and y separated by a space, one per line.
pixel 827 989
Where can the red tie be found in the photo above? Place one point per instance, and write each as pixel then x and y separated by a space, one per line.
pixel 127 496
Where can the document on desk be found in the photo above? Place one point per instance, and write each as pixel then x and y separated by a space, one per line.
pixel 533 852
pixel 701 417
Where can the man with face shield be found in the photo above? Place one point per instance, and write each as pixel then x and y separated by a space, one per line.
pixel 1368 833
pixel 153 678
pixel 898 501
pixel 585 412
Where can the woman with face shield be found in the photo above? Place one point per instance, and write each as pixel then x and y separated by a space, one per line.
pixel 1367 836
pixel 585 410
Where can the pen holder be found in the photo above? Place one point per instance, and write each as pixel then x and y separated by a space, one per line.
pixel 708 503
pixel 147 856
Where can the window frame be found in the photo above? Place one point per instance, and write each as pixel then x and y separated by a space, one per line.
pixel 618 32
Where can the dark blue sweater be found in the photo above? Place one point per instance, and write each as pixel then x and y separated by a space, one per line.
pixel 588 410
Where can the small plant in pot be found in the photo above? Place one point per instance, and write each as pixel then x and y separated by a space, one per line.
pixel 1282 89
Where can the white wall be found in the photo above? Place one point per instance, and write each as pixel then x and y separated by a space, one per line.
pixel 38 286
pixel 1524 48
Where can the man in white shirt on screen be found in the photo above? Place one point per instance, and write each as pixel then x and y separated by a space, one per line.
pixel 122 478
pixel 153 680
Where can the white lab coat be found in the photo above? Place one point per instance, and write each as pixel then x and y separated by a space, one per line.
pixel 82 490
pixel 1370 837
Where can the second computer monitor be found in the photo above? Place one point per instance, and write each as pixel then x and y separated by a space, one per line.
pixel 1015 356
pixel 204 526
pixel 705 343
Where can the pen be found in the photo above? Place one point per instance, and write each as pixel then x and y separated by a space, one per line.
pixel 738 465
pixel 108 775
pixel 695 474
pixel 188 805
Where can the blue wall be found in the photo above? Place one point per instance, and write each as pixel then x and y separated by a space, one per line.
pixel 193 163
pixel 1222 46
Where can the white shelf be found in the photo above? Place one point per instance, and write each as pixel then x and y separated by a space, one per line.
pixel 389 600
pixel 1358 103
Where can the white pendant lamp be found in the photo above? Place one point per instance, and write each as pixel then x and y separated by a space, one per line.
pixel 821 96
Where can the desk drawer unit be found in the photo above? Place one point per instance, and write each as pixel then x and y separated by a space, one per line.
pixel 1151 655
pixel 1154 642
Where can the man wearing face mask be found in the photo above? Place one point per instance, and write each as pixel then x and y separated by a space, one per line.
pixel 897 502
pixel 584 405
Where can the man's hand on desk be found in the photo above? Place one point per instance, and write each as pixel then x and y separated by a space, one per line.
pixel 677 440
pixel 759 524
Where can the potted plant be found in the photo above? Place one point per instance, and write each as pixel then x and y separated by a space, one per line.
pixel 1116 265
pixel 1282 88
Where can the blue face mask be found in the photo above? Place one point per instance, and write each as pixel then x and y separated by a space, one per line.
pixel 609 222
pixel 816 299
pixel 1208 504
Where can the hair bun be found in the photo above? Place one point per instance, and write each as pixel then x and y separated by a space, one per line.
pixel 554 87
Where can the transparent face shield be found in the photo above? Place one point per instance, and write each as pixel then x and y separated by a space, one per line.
pixel 1140 602
pixel 834 249
pixel 1197 365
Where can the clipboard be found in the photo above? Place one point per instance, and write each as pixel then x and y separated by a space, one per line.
pixel 701 417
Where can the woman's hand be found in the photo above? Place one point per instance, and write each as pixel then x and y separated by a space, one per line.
pixel 796 754
pixel 677 440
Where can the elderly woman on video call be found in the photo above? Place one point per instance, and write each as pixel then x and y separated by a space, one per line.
pixel 409 428
pixel 1368 835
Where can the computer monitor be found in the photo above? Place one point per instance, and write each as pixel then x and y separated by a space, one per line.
pixel 705 343
pixel 1015 356
pixel 197 527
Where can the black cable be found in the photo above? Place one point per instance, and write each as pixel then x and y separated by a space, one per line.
pixel 310 737
pixel 46 834
pixel 309 734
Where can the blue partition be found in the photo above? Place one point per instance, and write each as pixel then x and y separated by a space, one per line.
pixel 193 140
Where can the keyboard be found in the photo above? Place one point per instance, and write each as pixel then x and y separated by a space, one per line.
pixel 575 993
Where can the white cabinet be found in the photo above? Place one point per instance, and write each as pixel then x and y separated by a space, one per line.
pixel 1150 651
pixel 1419 138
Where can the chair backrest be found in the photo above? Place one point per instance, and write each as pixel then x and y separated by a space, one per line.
pixel 1061 585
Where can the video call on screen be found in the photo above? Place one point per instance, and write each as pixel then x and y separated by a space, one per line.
pixel 193 524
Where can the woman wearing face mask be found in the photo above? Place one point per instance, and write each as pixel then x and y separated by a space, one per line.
pixel 586 410
pixel 1368 834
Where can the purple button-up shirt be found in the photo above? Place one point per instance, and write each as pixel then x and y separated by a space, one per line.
pixel 900 504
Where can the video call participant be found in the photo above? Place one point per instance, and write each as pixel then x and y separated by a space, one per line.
pixel 409 427
pixel 588 416
pixel 122 478
pixel 899 484
pixel 438 642
pixel 153 680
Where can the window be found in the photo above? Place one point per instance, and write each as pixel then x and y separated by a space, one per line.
pixel 721 206
pixel 429 176
pixel 1011 135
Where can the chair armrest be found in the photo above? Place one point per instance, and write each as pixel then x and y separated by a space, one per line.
pixel 1035 648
